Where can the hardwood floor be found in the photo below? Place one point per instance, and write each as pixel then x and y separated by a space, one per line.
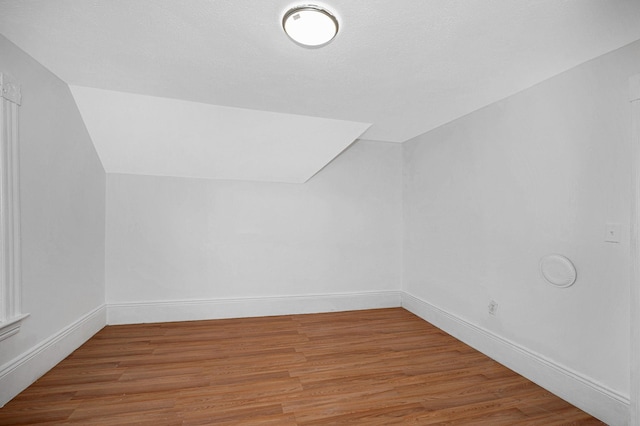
pixel 375 367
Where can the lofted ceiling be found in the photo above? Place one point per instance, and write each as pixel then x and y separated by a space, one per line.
pixel 402 66
pixel 150 136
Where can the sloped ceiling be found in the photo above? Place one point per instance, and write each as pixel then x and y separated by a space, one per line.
pixel 140 134
pixel 405 66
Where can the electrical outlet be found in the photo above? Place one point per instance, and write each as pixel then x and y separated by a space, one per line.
pixel 493 307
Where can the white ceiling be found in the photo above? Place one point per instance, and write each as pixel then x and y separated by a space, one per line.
pixel 406 66
pixel 170 137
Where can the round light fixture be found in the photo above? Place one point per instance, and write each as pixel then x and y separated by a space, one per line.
pixel 310 26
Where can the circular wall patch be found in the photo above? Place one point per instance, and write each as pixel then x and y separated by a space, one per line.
pixel 557 270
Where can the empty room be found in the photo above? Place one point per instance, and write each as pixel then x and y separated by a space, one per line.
pixel 337 212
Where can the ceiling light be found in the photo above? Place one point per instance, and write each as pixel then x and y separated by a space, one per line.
pixel 310 26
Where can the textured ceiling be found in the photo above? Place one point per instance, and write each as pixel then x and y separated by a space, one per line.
pixel 405 66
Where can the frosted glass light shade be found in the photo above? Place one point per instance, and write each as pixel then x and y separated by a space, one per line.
pixel 310 26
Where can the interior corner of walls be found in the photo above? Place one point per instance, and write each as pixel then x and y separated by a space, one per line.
pixel 586 394
pixel 70 89
pixel 17 374
pixel 328 163
pixel 193 310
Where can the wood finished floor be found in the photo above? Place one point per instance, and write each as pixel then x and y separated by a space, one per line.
pixel 376 367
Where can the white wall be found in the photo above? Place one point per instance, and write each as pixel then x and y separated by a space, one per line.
pixel 177 239
pixel 486 196
pixel 62 186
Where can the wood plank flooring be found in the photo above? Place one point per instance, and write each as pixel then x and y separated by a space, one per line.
pixel 375 367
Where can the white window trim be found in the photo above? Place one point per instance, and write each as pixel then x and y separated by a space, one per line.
pixel 635 253
pixel 10 267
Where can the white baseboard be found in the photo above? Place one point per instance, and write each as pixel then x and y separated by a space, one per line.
pixel 594 398
pixel 189 310
pixel 17 374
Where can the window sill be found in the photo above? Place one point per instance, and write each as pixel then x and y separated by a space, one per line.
pixel 11 327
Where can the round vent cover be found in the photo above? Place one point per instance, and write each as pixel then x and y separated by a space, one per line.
pixel 558 270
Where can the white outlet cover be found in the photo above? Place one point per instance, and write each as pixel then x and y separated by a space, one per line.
pixel 558 270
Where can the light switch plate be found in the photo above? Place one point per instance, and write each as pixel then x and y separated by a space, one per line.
pixel 612 233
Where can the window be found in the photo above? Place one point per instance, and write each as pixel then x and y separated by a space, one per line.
pixel 10 314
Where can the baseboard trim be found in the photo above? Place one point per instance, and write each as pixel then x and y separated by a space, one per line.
pixel 190 310
pixel 594 398
pixel 17 374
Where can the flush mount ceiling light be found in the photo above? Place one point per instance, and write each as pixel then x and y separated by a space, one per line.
pixel 310 26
